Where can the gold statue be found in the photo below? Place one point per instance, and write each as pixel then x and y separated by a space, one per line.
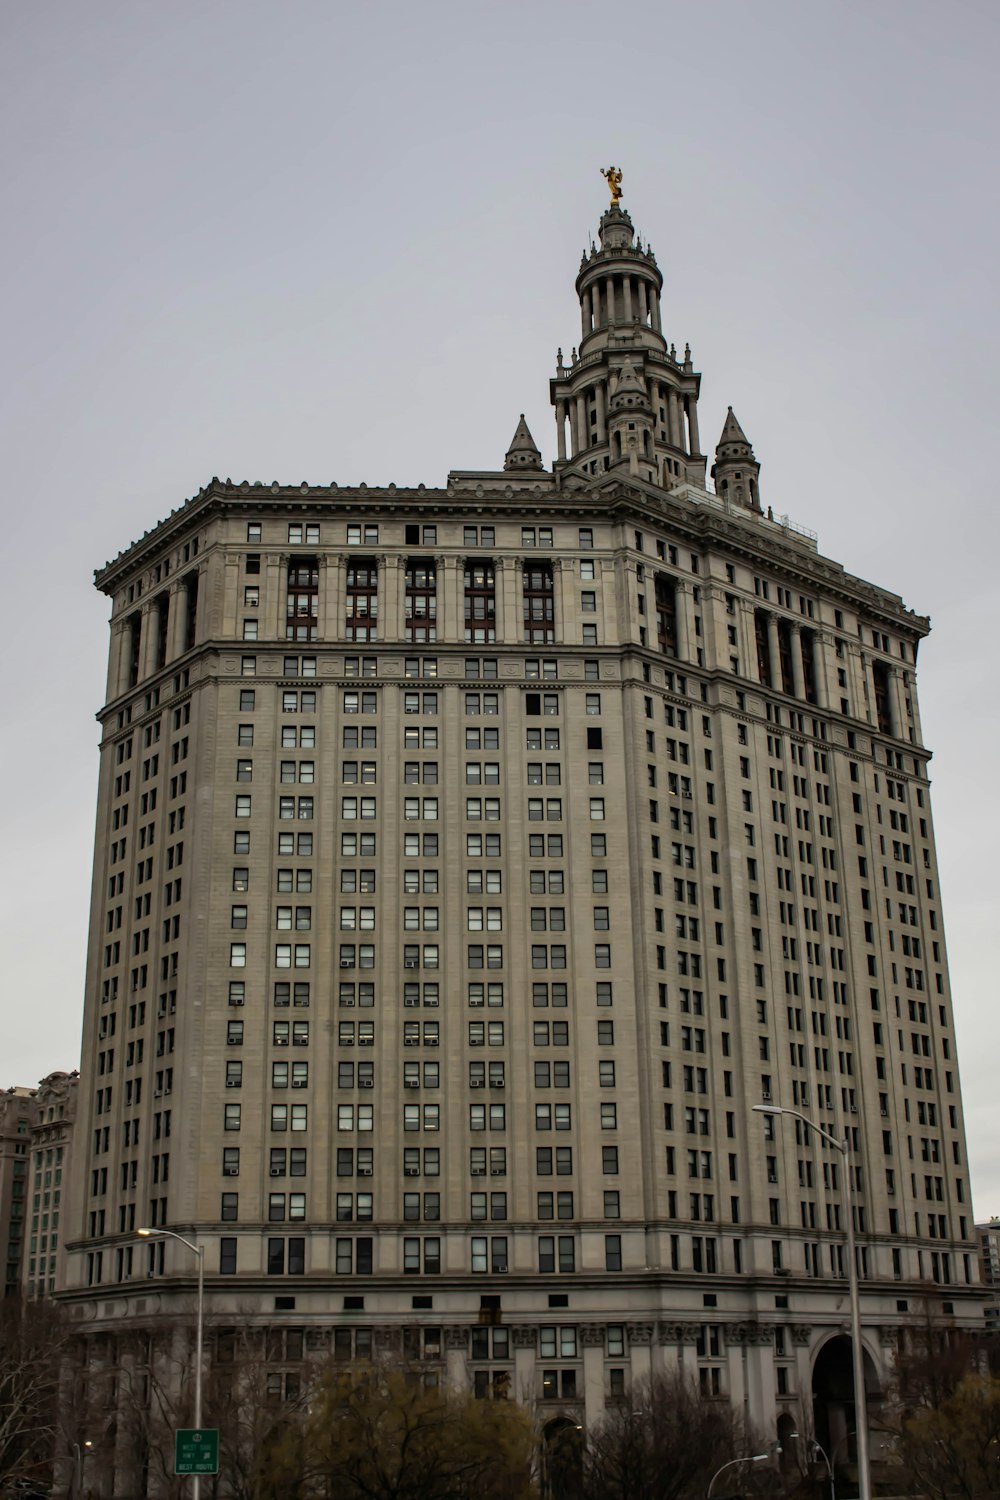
pixel 614 180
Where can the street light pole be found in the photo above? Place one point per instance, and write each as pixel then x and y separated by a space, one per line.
pixel 756 1458
pixel 818 1448
pixel 199 1251
pixel 857 1351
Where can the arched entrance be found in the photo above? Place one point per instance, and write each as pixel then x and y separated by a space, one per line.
pixel 562 1459
pixel 834 1416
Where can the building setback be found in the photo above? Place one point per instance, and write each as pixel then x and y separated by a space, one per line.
pixel 469 862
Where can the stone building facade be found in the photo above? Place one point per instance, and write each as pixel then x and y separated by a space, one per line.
pixel 469 862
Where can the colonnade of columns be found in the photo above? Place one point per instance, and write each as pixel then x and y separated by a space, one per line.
pixel 679 431
pixel 619 299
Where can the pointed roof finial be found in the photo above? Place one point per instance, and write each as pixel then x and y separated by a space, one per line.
pixel 522 453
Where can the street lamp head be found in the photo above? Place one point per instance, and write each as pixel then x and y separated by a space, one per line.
pixel 146 1233
pixel 767 1109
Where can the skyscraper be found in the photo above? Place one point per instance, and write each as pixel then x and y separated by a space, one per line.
pixel 469 862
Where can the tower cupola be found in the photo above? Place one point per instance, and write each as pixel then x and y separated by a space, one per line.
pixel 735 470
pixel 619 285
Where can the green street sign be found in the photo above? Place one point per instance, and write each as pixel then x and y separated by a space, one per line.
pixel 196 1450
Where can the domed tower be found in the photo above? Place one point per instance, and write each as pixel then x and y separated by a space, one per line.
pixel 622 350
pixel 735 470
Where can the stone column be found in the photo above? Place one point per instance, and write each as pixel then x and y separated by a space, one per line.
pixel 643 305
pixel 584 315
pixel 640 1348
pixel 147 640
pixel 524 1339
pixel 510 609
pixel 581 423
pixel 867 685
pixel 559 602
pixel 595 300
pixel 673 414
pixel 332 576
pixel 798 672
pixel 118 659
pixel 456 1344
pixel 627 287
pixel 692 416
pixel 774 653
pixel 685 621
pixel 602 423
pixel 391 597
pixel 897 704
pixel 450 618
pixel 655 311
pixel 178 619
pixel 748 637
pixel 561 428
pixel 499 603
pixel 274 601
pixel 822 642
pixel 592 1344
pixel 912 719
pixel 609 293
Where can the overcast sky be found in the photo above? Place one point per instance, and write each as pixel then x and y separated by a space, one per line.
pixel 322 241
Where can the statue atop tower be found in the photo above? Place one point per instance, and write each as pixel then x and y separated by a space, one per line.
pixel 613 175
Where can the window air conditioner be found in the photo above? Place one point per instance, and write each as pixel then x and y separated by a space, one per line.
pixel 234 1041
pixel 412 1171
pixel 281 1041
pixel 432 1041
pixel 366 1041
pixel 298 1083
pixel 275 1171
pixel 478 1171
pixel 347 963
pixel 411 1041
pixel 497 1083
pixel 411 963
pixel 364 1171
pixel 347 1004
pixel 232 1002
pixel 231 1083
pixel 232 1171
pixel 687 795
pixel 366 1083
pixel 765 1094
pixel 411 1083
pixel 497 1172
pixel 499 1270
pixel 475 1083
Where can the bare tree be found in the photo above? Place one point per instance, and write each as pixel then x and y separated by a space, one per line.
pixel 33 1336
pixel 664 1441
pixel 377 1433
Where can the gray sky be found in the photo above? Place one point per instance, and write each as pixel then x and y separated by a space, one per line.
pixel 325 241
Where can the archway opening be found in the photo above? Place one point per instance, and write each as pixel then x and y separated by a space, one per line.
pixel 834 1413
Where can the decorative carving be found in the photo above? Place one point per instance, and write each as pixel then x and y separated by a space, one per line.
pixel 801 1334
pixel 524 1336
pixel 592 1335
pixel 387 1340
pixel 456 1337
pixel 640 1333
pixel 745 1333
pixel 677 1333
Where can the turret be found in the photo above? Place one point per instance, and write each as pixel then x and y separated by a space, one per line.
pixel 522 453
pixel 735 470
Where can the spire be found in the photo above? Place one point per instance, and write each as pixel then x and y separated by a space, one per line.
pixel 522 453
pixel 735 470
